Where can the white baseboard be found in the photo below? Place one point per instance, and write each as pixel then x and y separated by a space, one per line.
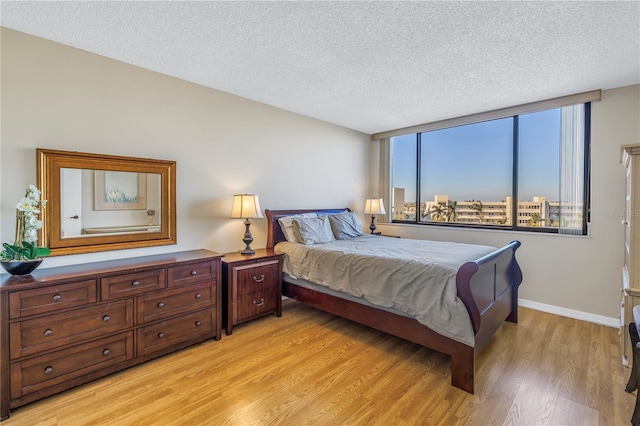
pixel 570 313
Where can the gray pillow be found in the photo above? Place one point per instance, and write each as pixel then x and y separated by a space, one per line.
pixel 313 230
pixel 286 224
pixel 345 225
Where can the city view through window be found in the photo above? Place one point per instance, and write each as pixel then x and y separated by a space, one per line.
pixel 465 174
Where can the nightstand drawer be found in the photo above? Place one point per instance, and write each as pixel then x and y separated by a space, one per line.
pixel 51 369
pixel 152 307
pixel 53 331
pixel 132 284
pixel 171 332
pixel 258 276
pixel 256 303
pixel 188 274
pixel 52 298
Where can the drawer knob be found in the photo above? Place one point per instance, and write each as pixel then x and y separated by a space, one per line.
pixel 259 303
pixel 106 318
pixel 48 370
pixel 198 323
pixel 106 352
pixel 160 335
pixel 160 305
pixel 193 272
pixel 48 332
pixel 258 280
pixel 135 283
pixel 198 296
pixel 56 297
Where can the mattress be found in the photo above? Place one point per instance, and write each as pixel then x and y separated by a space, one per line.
pixel 416 278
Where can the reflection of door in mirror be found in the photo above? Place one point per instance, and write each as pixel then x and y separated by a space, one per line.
pixel 71 206
pixel 82 216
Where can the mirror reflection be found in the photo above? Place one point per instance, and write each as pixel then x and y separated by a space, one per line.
pixel 107 202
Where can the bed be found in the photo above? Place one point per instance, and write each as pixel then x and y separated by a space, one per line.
pixel 487 287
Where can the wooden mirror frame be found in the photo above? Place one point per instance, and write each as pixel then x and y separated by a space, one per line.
pixel 49 163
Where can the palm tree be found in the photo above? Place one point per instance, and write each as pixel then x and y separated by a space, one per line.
pixel 423 211
pixel 477 206
pixel 437 213
pixel 450 211
pixel 534 220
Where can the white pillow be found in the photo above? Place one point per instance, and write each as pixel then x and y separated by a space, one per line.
pixel 286 224
pixel 345 225
pixel 313 230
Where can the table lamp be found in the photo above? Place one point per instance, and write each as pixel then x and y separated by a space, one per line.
pixel 374 206
pixel 246 206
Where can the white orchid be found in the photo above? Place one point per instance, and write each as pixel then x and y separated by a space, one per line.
pixel 27 226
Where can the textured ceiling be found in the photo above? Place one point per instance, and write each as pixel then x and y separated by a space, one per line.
pixel 369 66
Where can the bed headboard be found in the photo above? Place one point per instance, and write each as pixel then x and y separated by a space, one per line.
pixel 274 232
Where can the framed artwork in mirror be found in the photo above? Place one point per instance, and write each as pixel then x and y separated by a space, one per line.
pixel 116 190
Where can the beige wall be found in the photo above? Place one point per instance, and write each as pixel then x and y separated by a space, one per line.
pixel 576 276
pixel 58 97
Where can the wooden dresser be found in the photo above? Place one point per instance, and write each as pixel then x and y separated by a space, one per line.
pixel 630 157
pixel 62 327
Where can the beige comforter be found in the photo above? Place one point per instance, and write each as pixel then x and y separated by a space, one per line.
pixel 417 277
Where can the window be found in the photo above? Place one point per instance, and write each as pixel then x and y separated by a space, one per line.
pixel 523 172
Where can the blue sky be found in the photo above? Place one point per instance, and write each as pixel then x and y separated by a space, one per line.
pixel 475 161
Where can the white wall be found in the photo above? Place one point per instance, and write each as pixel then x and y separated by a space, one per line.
pixel 58 97
pixel 578 276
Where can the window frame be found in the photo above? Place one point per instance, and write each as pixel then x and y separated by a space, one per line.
pixel 586 208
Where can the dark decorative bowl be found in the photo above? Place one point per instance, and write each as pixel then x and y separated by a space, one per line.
pixel 20 267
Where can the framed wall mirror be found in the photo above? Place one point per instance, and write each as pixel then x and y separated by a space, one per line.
pixel 105 202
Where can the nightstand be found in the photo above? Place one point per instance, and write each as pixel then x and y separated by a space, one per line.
pixel 252 286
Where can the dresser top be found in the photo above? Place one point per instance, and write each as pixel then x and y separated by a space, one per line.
pixel 110 267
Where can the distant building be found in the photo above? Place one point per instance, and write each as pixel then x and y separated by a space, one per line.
pixel 537 212
pixel 397 204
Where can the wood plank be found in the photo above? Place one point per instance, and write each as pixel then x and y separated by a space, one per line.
pixel 311 367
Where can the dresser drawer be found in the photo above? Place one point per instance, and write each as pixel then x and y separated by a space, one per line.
pixel 195 272
pixel 257 276
pixel 132 284
pixel 45 333
pixel 168 333
pixel 48 299
pixel 166 303
pixel 256 303
pixel 57 367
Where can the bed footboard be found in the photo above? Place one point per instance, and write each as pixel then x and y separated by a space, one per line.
pixel 489 289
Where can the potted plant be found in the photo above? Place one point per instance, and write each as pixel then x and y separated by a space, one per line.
pixel 24 256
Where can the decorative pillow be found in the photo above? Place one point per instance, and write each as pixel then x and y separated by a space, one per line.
pixel 313 230
pixel 286 224
pixel 345 225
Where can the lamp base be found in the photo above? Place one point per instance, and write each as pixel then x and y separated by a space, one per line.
pixel 248 239
pixel 373 224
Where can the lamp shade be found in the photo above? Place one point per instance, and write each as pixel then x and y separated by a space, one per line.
pixel 246 206
pixel 374 206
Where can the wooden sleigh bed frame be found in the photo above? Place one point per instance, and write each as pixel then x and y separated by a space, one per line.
pixel 488 287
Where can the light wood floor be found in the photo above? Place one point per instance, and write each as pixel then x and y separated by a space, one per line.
pixel 312 368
